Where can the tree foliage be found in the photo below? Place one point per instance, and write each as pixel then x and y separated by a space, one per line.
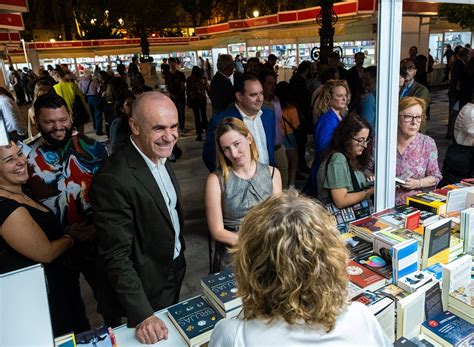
pixel 462 15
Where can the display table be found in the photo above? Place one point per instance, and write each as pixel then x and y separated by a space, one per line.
pixel 126 336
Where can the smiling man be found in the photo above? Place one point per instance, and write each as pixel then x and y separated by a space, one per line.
pixel 139 219
pixel 248 108
pixel 60 166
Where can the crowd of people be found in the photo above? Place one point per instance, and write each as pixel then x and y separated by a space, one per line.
pixel 118 219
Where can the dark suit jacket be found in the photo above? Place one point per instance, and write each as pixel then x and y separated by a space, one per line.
pixel 209 149
pixel 134 230
pixel 222 93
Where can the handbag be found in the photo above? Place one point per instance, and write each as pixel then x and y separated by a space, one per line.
pixel 343 216
pixel 80 112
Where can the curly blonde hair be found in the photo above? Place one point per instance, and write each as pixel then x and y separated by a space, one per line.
pixel 290 262
pixel 323 101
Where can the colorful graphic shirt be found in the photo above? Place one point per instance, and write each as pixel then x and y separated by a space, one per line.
pixel 419 160
pixel 60 179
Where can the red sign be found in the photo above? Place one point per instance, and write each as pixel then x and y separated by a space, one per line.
pixel 287 17
pixel 13 5
pixel 11 21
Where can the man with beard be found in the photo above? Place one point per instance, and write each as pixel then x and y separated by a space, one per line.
pixel 60 166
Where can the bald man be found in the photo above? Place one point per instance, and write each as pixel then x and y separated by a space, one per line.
pixel 138 216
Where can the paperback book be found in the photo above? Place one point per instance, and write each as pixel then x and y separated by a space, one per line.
pixel 449 330
pixel 222 288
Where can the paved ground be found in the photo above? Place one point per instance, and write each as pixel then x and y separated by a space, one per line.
pixel 192 176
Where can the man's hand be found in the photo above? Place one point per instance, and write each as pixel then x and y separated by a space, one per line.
pixel 151 330
pixel 82 232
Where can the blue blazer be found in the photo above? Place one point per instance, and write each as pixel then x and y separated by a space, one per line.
pixel 209 150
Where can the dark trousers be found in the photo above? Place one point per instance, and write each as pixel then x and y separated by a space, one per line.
pixel 170 295
pixel 95 112
pixel 200 117
pixel 180 106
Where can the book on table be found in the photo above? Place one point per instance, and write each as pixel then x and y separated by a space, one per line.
pixel 400 216
pixel 361 279
pixel 67 340
pixel 98 337
pixel 427 202
pixel 377 264
pixel 365 227
pixel 405 259
pixel 448 329
pixel 456 275
pixel 466 230
pixel 427 217
pixel 195 320
pixel 382 307
pixel 357 246
pixel 222 288
pixel 436 240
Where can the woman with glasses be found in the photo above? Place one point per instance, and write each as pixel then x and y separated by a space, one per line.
pixel 417 155
pixel 342 174
pixel 30 233
pixel 239 183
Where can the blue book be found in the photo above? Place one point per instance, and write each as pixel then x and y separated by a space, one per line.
pixel 222 288
pixel 404 259
pixel 449 330
pixel 195 319
pixel 435 270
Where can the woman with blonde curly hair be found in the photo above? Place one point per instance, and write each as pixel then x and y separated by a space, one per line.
pixel 290 266
pixel 239 183
pixel 333 102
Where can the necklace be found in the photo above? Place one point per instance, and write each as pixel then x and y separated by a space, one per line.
pixel 9 191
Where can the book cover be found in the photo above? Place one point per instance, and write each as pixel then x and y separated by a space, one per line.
pixel 412 220
pixel 403 234
pixel 456 275
pixel 393 291
pixel 374 301
pixel 67 340
pixel 404 259
pixel 435 270
pixel 436 240
pixel 449 329
pixel 377 264
pixel 99 337
pixel 222 286
pixel 195 319
pixel 363 277
pixel 465 295
pixel 358 247
pixel 370 225
pixel 427 218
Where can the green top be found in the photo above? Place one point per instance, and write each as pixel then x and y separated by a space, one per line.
pixel 338 176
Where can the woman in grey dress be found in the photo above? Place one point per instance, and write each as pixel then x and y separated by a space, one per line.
pixel 239 183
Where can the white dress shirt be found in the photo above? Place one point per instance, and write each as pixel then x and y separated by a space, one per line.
pixel 257 130
pixel 168 192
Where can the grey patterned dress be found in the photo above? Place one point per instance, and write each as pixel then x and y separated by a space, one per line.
pixel 238 197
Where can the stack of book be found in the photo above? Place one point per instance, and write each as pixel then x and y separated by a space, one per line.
pixel 402 216
pixel 194 319
pixel 362 279
pixel 466 230
pixel 220 289
pixel 448 329
pixel 366 227
pixel 428 202
pixel 99 337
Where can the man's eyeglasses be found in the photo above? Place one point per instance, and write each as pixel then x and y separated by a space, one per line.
pixel 408 118
pixel 362 142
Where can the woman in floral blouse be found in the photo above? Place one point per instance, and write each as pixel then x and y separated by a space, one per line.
pixel 417 155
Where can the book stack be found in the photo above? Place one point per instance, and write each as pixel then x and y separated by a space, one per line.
pixel 458 288
pixel 195 320
pixel 402 216
pixel 456 248
pixel 99 337
pixel 448 329
pixel 377 264
pixel 428 202
pixel 357 247
pixel 362 279
pixel 436 241
pixel 466 230
pixel 366 227
pixel 220 289
pixel 427 217
pixel 404 259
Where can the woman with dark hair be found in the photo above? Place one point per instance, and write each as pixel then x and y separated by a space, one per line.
pixel 120 129
pixel 116 88
pixel 341 177
pixel 290 124
pixel 239 183
pixel 196 89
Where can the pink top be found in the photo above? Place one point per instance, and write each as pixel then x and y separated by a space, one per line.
pixel 419 160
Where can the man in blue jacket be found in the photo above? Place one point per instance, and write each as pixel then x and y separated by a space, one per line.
pixel 248 108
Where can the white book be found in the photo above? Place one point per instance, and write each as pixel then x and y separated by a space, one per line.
pixel 456 274
pixel 457 198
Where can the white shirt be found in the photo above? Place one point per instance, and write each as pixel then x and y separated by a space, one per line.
pixel 357 326
pixel 11 113
pixel 168 192
pixel 257 130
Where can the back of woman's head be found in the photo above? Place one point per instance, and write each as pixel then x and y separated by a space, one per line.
pixel 343 138
pixel 196 72
pixel 116 88
pixel 231 124
pixel 290 262
pixel 323 101
pixel 42 87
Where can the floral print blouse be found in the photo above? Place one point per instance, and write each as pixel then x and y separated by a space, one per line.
pixel 419 160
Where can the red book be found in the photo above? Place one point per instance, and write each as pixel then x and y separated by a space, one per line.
pixel 412 220
pixel 363 277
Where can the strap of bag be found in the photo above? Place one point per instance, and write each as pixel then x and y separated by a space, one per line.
pixel 87 90
pixel 355 183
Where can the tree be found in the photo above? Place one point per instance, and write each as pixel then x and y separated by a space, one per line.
pixel 462 15
pixel 200 10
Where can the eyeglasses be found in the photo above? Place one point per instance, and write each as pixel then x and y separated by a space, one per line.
pixel 409 118
pixel 362 142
